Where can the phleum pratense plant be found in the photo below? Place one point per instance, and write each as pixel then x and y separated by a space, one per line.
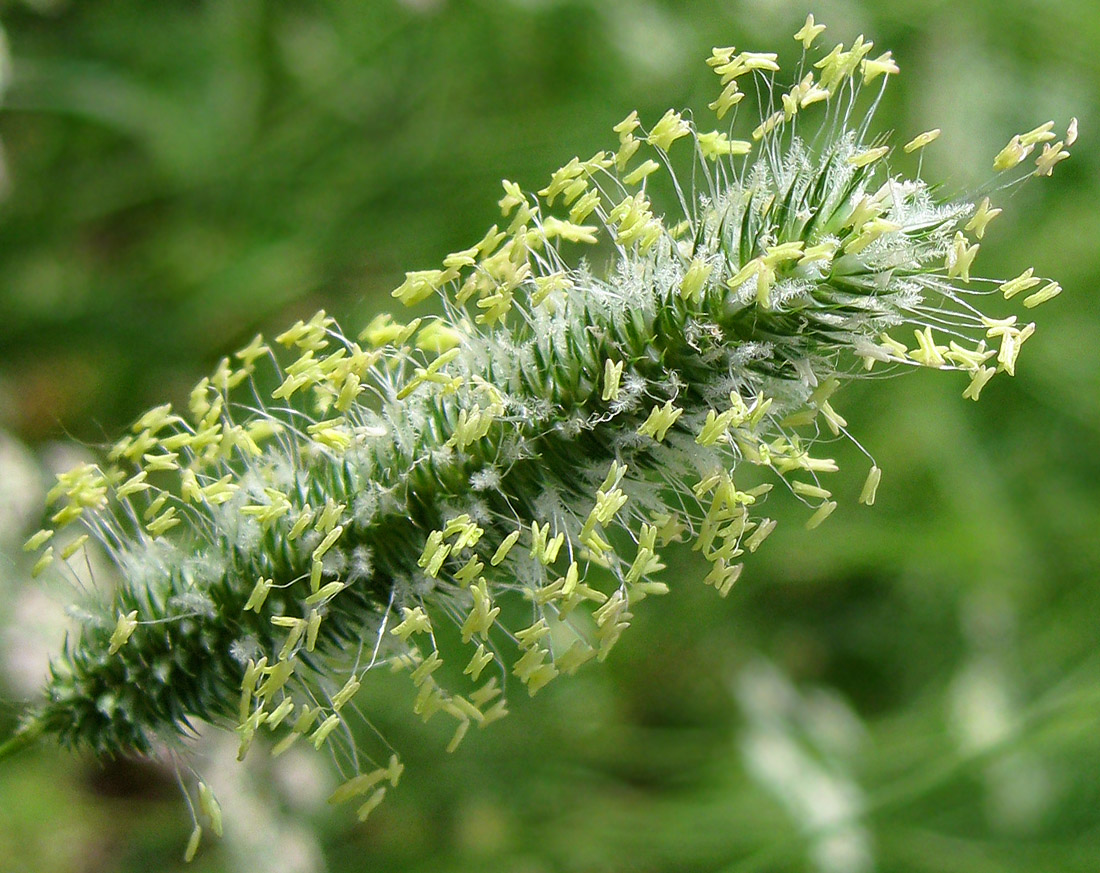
pixel 481 498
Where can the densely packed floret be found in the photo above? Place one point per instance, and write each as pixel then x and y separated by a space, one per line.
pixel 481 498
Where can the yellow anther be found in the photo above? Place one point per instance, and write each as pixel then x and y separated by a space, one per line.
pixel 809 32
pixel 124 629
pixel 982 216
pixel 921 140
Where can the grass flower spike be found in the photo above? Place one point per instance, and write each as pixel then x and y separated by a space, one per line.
pixel 481 499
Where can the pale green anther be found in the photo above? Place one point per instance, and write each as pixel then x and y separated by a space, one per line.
pixel 870 486
pixel 161 463
pixel 415 620
pixel 779 254
pixel 809 32
pixel 425 669
pixel 560 179
pixel 504 548
pixel 315 571
pixel 284 744
pixel 716 144
pixel 927 352
pixel 326 727
pixel 437 337
pixel 882 65
pixel 731 95
pixel 266 514
pixel 280 712
pixel 531 636
pixel 156 419
pixel 660 420
pixel 978 380
pixel 74 547
pixel 762 532
pixel 259 594
pixel 124 629
pixel 433 566
pixel 482 614
pixel 805 489
pixel 532 659
pixel 305 518
pixel 538 538
pixel 325 592
pixel 328 542
pixel 547 285
pixel 822 513
pixel 209 806
pixel 669 129
pixel 252 673
pixel 306 719
pixel 357 785
pixel 921 140
pixel 612 373
pixel 468 537
pixel 607 504
pixel 221 491
pixel 585 206
pixel 329 516
pixel 1023 282
pixel 296 628
pixel 163 522
pixel 626 127
pixel 761 406
pixel 478 662
pixel 981 218
pixel 960 257
pixel 432 545
pixel 645 562
pixel 1042 133
pixel 345 694
pixel 1011 154
pixel 469 572
pixel 715 427
pixel 1049 291
pixel 832 64
pixel 574 190
pixel 37 540
pixel 870 232
pixel 418 286
pixel 745 273
pixel 868 157
pixel 722 576
pixel 487 692
pixel 383 331
pixel 513 197
pixel 255 349
pixel 695 279
pixel 193 844
pixel 313 626
pixel 867 209
pixel 394 770
pixel 640 172
pixel 555 228
pixel 429 700
pixel 768 125
pixel 367 808
pixel 549 552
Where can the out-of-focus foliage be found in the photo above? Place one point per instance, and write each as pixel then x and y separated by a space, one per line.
pixel 914 686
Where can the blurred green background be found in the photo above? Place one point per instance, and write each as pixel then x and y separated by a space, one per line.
pixel 914 687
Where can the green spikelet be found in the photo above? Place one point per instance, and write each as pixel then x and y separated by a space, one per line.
pixel 327 502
